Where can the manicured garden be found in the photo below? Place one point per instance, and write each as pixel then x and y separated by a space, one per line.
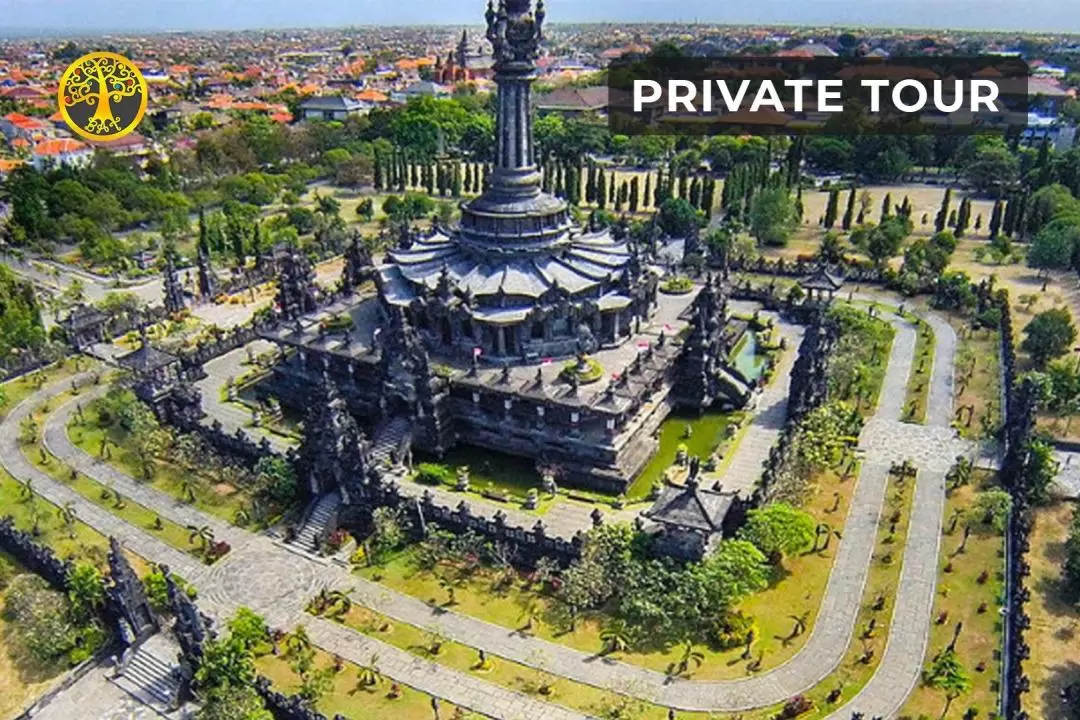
pixel 966 604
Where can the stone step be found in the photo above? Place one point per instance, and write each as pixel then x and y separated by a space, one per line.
pixel 149 678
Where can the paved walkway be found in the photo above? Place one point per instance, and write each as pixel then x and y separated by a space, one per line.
pixel 747 464
pixel 263 575
pixel 259 574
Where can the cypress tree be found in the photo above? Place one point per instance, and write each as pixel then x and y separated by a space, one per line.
pixel 849 212
pixel 798 203
pixel 1008 225
pixel 658 195
pixel 684 185
pixel 995 218
pixel 456 187
pixel 430 178
pixel 952 219
pixel 413 175
pixel 574 190
pixel 906 207
pixel 612 188
pixel 647 195
pixel 963 217
pixel 831 208
pixel 1021 212
pixel 978 222
pixel 860 218
pixel 695 193
pixel 378 172
pixel 601 189
pixel 943 211
pixel 886 206
pixel 590 184
pixel 633 200
pixel 708 193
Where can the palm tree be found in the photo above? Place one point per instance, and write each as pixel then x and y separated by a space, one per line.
pixel 615 637
pixel 36 516
pixel 338 603
pixel 960 473
pixel 690 656
pixel 67 516
pixel 297 643
pixel 534 616
pixel 369 675
pixel 203 534
pixel 948 674
pixel 189 483
pixel 436 640
pixel 800 624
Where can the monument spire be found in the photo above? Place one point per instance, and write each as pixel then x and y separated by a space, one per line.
pixel 515 33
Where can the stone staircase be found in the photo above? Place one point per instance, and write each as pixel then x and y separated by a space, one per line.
pixel 147 675
pixel 392 436
pixel 314 527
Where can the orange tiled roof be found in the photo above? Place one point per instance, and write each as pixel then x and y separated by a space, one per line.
pixel 281 117
pixel 7 165
pixel 372 96
pixel 59 146
pixel 20 143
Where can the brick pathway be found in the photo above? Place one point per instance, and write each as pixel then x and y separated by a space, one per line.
pixel 265 576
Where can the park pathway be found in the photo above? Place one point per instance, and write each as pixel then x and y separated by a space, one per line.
pixel 264 576
pixel 258 573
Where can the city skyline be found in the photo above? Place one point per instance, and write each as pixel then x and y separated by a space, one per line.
pixel 40 16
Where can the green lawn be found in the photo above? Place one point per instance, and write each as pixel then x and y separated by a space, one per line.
pixel 918 384
pixel 977 379
pixel 351 701
pixel 500 671
pixel 211 497
pixel 16 390
pixel 97 493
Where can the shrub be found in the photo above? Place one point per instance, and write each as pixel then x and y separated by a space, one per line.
pixel 590 371
pixel 677 285
pixel 796 706
pixel 434 474
pixel 732 630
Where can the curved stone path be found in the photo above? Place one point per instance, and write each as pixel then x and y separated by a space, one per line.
pixel 241 578
pixel 258 574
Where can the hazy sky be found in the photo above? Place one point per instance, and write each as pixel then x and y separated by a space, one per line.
pixel 96 15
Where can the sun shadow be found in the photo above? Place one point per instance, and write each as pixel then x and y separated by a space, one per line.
pixel 1060 677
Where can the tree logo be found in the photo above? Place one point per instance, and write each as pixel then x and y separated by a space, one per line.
pixel 102 96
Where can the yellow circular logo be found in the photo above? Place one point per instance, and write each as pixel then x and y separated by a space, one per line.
pixel 102 96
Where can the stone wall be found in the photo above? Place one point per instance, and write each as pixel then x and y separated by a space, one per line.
pixel 286 707
pixel 530 544
pixel 1019 424
pixel 38 559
